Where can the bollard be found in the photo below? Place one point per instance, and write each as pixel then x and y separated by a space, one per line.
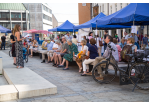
pixel 1 65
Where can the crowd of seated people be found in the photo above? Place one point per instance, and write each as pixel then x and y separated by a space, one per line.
pixel 66 51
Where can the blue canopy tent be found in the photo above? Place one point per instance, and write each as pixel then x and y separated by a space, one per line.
pixel 65 27
pixel 108 27
pixel 133 14
pixel 89 23
pixel 4 30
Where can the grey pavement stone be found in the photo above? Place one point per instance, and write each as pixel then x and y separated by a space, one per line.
pixel 71 86
pixel 55 100
pixel 76 98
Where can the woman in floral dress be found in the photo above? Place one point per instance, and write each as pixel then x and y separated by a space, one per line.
pixel 73 50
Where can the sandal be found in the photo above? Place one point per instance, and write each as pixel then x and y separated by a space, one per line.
pixel 80 70
pixel 65 68
pixel 83 74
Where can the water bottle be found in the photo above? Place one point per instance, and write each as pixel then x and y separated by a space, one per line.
pixel 133 72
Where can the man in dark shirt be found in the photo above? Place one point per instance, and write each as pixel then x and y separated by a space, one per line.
pixel 144 41
pixel 3 38
pixel 105 35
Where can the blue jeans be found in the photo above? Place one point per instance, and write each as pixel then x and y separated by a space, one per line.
pixel 3 44
pixel 138 47
pixel 105 46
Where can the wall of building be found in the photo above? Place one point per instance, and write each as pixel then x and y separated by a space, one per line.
pixel 40 16
pixel 54 21
pixel 84 12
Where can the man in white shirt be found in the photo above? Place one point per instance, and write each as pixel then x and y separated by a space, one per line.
pixel 50 53
pixel 126 35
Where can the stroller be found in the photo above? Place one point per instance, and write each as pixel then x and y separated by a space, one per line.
pixel 25 55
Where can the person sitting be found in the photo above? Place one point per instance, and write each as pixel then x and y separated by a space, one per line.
pixel 43 46
pixel 74 40
pixel 123 43
pixel 109 41
pixel 55 55
pixel 131 41
pixel 49 46
pixel 50 53
pixel 73 50
pixel 83 52
pixel 88 44
pixel 118 48
pixel 34 47
pixel 92 54
pixel 64 50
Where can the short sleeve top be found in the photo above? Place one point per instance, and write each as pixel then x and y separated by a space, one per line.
pixel 93 51
pixel 85 48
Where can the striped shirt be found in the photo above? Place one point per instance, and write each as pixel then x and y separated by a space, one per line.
pixel 114 53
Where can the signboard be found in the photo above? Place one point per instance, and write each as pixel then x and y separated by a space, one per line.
pixel 133 29
pixel 96 32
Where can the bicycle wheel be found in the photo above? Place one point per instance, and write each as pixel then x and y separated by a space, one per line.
pixel 139 75
pixel 109 73
pixel 26 59
pixel 10 53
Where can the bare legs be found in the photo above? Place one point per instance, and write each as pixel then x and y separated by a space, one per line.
pixel 67 63
pixel 59 58
pixel 80 66
pixel 14 59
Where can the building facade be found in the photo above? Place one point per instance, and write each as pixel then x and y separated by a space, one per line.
pixel 110 8
pixel 85 12
pixel 40 15
pixel 14 13
pixel 54 21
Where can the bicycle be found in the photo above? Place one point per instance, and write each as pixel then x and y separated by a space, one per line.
pixel 137 71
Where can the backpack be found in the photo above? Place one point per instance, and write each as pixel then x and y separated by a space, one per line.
pixel 127 49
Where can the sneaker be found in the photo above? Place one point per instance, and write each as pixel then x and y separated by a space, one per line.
pixel 43 61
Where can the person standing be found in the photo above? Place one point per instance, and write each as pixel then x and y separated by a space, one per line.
pixel 90 35
pixel 105 35
pixel 3 39
pixel 18 46
pixel 12 40
pixel 68 36
pixel 74 40
pixel 144 41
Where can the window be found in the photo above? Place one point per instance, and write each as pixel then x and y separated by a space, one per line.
pixel 103 8
pixel 4 16
pixel 15 16
pixel 83 4
pixel 24 26
pixel 13 24
pixel 115 7
pixel 111 9
pixel 47 17
pixel 24 16
pixel 100 8
pixel 121 5
pixel 50 11
pixel 6 25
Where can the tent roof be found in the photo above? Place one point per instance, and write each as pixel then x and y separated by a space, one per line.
pixel 137 12
pixel 89 23
pixel 4 30
pixel 12 6
pixel 66 26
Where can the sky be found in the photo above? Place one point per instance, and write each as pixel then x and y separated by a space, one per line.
pixel 65 11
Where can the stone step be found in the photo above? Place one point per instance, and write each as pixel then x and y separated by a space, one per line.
pixel 27 82
pixel 8 92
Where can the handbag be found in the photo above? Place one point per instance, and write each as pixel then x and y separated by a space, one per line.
pixel 100 43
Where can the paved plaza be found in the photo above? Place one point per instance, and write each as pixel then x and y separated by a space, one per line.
pixel 72 87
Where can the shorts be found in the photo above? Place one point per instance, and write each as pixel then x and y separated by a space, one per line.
pixel 50 53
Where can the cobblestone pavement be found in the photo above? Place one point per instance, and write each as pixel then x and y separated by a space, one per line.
pixel 72 87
